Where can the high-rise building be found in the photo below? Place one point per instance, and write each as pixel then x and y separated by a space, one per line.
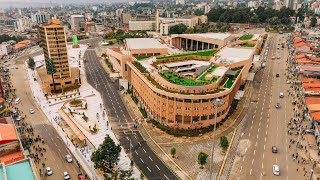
pixel 77 22
pixel 207 9
pixel 40 17
pixel 54 44
pixel 23 24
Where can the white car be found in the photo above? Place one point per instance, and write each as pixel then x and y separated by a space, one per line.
pixel 49 171
pixel 31 111
pixel 276 170
pixel 19 118
pixel 68 158
pixel 66 175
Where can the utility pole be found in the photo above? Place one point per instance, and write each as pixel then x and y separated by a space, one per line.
pixel 217 103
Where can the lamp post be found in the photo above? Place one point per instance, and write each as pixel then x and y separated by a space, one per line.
pixel 217 103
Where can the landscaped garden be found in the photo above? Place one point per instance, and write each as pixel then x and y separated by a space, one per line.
pixel 202 53
pixel 203 76
pixel 142 57
pixel 245 37
pixel 247 45
pixel 182 81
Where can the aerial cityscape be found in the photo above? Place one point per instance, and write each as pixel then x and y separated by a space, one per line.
pixel 159 90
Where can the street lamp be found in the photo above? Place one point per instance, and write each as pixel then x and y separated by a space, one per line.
pixel 217 103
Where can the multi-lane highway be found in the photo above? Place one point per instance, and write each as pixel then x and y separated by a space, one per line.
pixel 122 124
pixel 266 125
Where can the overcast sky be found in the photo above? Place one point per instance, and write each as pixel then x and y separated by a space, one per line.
pixel 26 3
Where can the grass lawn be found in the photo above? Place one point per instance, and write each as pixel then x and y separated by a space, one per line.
pixel 247 45
pixel 203 76
pixel 182 81
pixel 245 37
pixel 229 83
pixel 202 53
pixel 141 57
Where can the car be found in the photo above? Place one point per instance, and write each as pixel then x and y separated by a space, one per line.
pixel 277 75
pixel 278 105
pixel 66 175
pixel 49 171
pixel 19 118
pixel 14 111
pixel 31 111
pixel 281 95
pixel 68 158
pixel 276 170
pixel 288 82
pixel 263 65
pixel 274 149
pixel 278 57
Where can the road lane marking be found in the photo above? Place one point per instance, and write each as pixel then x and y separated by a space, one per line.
pixel 250 171
pixel 144 151
pixel 148 169
pixel 252 161
pixel 166 177
pixel 141 160
pixel 136 152
pixel 263 156
pixel 150 158
pixel 264 147
pixel 158 167
pixel 254 152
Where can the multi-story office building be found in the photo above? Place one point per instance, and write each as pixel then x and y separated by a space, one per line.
pixel 40 17
pixel 179 91
pixel 22 24
pixel 77 22
pixel 54 44
pixel 5 49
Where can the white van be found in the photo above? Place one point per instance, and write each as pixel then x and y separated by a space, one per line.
pixel 17 101
pixel 281 95
pixel 276 170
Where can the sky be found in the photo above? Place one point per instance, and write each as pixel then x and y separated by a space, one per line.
pixel 27 3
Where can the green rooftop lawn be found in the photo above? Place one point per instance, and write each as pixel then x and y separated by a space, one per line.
pixel 203 76
pixel 141 57
pixel 247 45
pixel 182 81
pixel 229 83
pixel 202 53
pixel 245 37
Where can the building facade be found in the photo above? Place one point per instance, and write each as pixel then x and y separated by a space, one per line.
pixel 40 17
pixel 5 49
pixel 54 43
pixel 77 22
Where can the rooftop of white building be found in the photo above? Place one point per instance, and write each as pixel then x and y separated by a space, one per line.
pixel 143 43
pixel 220 36
pixel 231 55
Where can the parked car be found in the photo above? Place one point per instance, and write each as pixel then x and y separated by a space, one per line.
pixel 68 158
pixel 66 175
pixel 19 118
pixel 49 171
pixel 278 105
pixel 281 95
pixel 277 75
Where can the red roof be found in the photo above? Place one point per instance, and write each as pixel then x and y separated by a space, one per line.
pixel 315 116
pixel 300 56
pixel 309 80
pixel 7 133
pixel 312 100
pixel 297 40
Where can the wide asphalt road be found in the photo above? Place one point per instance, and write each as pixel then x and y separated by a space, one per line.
pixel 122 124
pixel 266 126
pixel 56 148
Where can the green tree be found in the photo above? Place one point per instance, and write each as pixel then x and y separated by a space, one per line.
pixel 202 159
pixel 178 29
pixel 224 143
pixel 198 12
pixel 173 152
pixel 107 154
pixel 313 22
pixel 31 63
pixel 51 69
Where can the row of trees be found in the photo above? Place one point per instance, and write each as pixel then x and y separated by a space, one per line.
pixel 6 37
pixel 201 28
pixel 120 35
pixel 260 15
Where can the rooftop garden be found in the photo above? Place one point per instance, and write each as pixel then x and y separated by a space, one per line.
pixel 139 66
pixel 202 53
pixel 139 58
pixel 230 80
pixel 247 45
pixel 182 81
pixel 203 76
pixel 245 37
